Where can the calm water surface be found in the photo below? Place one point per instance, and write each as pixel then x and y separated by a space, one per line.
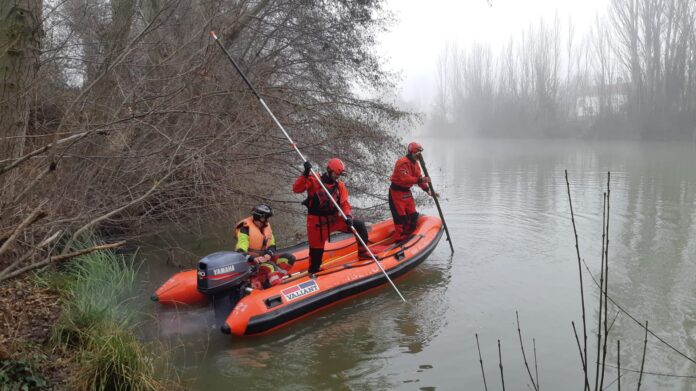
pixel 507 208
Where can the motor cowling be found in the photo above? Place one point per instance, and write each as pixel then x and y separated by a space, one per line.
pixel 222 271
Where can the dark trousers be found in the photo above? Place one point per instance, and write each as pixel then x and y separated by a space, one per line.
pixel 403 210
pixel 318 230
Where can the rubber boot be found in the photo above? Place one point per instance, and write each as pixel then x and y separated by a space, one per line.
pixel 315 256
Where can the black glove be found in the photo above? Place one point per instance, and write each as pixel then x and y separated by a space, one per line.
pixel 349 221
pixel 307 168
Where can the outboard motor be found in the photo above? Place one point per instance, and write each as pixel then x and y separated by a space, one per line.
pixel 223 276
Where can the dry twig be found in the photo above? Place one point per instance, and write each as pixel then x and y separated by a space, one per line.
pixel 485 387
pixel 62 257
pixel 582 292
pixel 524 356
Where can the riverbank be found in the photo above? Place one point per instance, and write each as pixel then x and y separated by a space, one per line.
pixel 27 356
pixel 75 328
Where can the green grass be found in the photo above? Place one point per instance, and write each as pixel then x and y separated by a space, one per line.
pixel 116 361
pixel 99 319
pixel 97 291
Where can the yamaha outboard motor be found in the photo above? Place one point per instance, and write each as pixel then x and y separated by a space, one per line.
pixel 223 276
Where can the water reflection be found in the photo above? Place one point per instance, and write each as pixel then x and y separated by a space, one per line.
pixel 517 191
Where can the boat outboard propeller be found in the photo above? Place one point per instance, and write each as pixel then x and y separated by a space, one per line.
pixel 223 276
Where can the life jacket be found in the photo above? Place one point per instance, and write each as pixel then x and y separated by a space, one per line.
pixel 258 241
pixel 319 204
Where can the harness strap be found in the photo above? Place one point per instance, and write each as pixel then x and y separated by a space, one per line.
pixel 396 187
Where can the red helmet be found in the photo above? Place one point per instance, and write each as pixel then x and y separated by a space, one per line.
pixel 414 147
pixel 336 165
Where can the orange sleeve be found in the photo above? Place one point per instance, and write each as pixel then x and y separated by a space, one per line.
pixel 402 175
pixel 343 202
pixel 302 184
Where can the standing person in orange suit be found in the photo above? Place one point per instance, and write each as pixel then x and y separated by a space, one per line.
pixel 322 216
pixel 406 173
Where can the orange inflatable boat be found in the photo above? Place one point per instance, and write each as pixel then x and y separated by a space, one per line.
pixel 222 278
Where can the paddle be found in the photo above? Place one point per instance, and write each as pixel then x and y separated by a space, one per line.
pixel 437 202
pixel 292 143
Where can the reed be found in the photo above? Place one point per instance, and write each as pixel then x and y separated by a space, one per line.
pixel 536 367
pixel 642 361
pixel 618 364
pixel 601 295
pixel 500 363
pixel 605 291
pixel 485 387
pixel 97 288
pixel 98 320
pixel 116 360
pixel 582 291
pixel 603 326
pixel 575 331
pixel 524 356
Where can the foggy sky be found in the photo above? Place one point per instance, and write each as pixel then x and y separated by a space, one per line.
pixel 424 28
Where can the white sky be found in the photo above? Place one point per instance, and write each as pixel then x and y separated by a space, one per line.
pixel 424 27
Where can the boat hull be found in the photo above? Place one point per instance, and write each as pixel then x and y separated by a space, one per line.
pixel 343 275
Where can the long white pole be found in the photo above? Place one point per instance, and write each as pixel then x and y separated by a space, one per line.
pixel 314 173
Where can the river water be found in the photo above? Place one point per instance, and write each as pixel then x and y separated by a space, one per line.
pixel 506 206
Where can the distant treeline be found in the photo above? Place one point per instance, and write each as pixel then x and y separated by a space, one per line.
pixel 632 76
pixel 122 114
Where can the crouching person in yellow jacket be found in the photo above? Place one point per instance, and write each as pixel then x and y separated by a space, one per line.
pixel 255 238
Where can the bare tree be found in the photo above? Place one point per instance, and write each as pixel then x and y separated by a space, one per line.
pixel 140 121
pixel 632 76
pixel 19 60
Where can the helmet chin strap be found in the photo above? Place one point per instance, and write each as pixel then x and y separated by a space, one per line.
pixel 329 177
pixel 263 223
